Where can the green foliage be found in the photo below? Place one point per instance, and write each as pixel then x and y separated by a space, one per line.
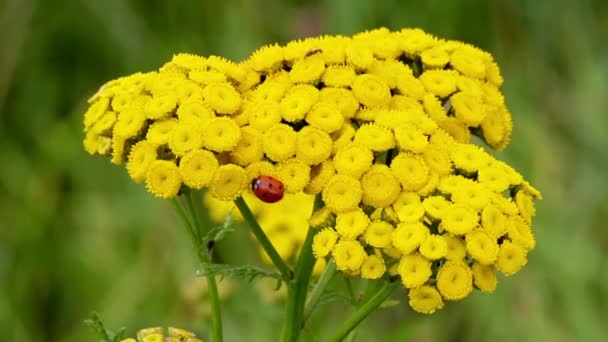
pixel 247 272
pixel 94 322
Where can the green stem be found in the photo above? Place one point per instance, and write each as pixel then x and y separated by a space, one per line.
pixel 195 232
pixel 317 291
pixel 364 310
pixel 278 262
pixel 296 291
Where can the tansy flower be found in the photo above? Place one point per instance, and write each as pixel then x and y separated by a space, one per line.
pixel 484 277
pixel 437 160
pixel 456 247
pixel 160 106
pixel 371 91
pixel 197 168
pixel 451 183
pixel 379 234
pixel 105 123
pixel 95 112
pixel 433 108
pixel 469 158
pixel 343 137
pixel 408 236
pixel 380 187
pixel 249 149
pixel 313 145
pixel 471 194
pixel 160 132
pixel 325 116
pixel 520 233
pixel 349 255
pixel 481 247
pixel 493 221
pixel 373 267
pixel 185 137
pixel 425 299
pixel 435 206
pixel 359 56
pixel 351 224
pixel 221 134
pixel 412 41
pixel 298 102
pixel 468 109
pixel 340 98
pixel 511 258
pixel 353 160
pixel 266 58
pixel 294 174
pixel 196 111
pixel 525 205
pixel 494 178
pixel 228 182
pixel 375 137
pixel 163 179
pixel 454 280
pixel 434 247
pixel 459 220
pixel 272 89
pixel 411 171
pixel 338 76
pixel 264 115
pixel 439 82
pixel 323 242
pixel 410 138
pixel 319 176
pixel 205 77
pixel 435 57
pixel 260 168
pixel 158 334
pixel 307 70
pixel 129 124
pixel 468 63
pixel 389 71
pixel 280 142
pixel 342 193
pixel 410 213
pixel 414 270
pixel 141 156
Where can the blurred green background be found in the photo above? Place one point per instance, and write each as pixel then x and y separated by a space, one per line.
pixel 77 235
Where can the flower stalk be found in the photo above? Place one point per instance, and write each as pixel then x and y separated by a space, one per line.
pixel 317 291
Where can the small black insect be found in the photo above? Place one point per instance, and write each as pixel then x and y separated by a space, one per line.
pixel 313 51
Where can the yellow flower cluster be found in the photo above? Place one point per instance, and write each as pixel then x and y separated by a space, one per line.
pixel 159 334
pixel 379 124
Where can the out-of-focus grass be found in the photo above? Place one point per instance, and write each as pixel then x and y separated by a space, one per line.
pixel 78 236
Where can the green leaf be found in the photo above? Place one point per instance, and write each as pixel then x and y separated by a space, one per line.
pixel 248 272
pixel 389 303
pixel 218 232
pixel 95 323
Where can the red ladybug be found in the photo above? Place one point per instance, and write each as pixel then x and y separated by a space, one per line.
pixel 268 189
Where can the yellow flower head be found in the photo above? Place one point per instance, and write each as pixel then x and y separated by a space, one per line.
pixel 468 108
pixel 468 62
pixel 228 182
pixel 373 267
pixel 325 116
pixel 425 299
pixel 519 232
pixel 319 176
pixel 350 225
pixel 342 99
pixel 158 334
pixel 456 247
pixel 470 158
pixel 249 149
pixel 298 101
pixel 435 206
pixel 221 134
pixel 307 70
pixel 525 204
pixel 359 56
pixel 484 277
pixel 163 179
pixel 105 123
pixel 414 270
pixel 411 138
pixel 338 76
pixel 160 106
pixel 197 168
pixel 411 171
pixel 185 137
pixel 343 137
pixel 493 178
pixel 375 137
pixel 342 193
pixel 266 58
pixel 471 194
pixel 459 220
pixel 454 280
pixel 324 242
pixel 349 255
pixel 141 156
pixel 408 236
pixel 380 187
pixel 439 82
pixel 160 132
pixel 379 234
pixel 294 174
pixel 353 160
pixel 129 124
pixel 222 97
pixel 493 221
pixel 313 145
pixel 195 111
pixel 280 142
pixel 481 247
pixel 435 57
pixel 371 91
pixel 434 247
pixel 511 258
